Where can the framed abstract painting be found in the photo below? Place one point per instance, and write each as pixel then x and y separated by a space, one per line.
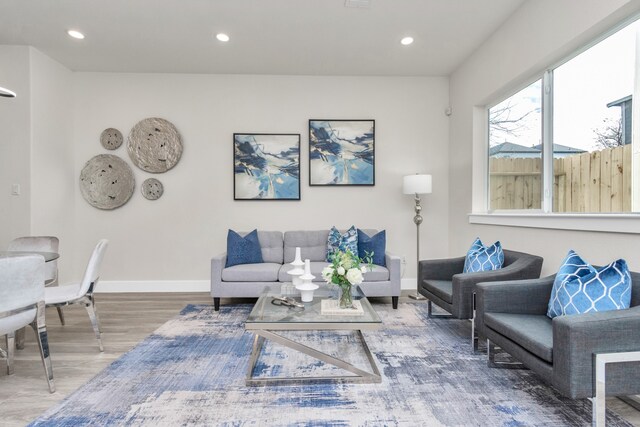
pixel 341 152
pixel 266 166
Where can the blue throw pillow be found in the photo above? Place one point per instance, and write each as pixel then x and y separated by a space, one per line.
pixel 342 242
pixel 243 250
pixel 376 244
pixel 483 258
pixel 573 267
pixel 580 288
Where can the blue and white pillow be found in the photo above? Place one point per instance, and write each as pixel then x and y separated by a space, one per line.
pixel 580 288
pixel 342 242
pixel 243 250
pixel 375 244
pixel 483 258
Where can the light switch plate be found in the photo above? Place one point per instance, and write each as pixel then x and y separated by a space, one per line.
pixel 15 189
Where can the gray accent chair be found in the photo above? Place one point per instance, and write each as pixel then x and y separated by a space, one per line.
pixel 444 284
pixel 512 316
pixel 278 250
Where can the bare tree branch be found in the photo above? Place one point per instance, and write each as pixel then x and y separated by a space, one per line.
pixel 501 120
pixel 609 135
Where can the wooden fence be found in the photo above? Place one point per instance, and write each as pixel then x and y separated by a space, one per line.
pixel 590 182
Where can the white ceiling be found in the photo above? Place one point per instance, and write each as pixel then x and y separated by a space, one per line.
pixel 310 37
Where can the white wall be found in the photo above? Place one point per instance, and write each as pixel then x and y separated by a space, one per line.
pixel 173 238
pixel 53 178
pixel 14 143
pixel 540 33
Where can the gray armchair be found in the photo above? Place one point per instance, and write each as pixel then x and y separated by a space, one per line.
pixel 443 283
pixel 512 315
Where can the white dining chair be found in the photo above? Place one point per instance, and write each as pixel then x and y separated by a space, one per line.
pixel 41 244
pixel 81 293
pixel 22 304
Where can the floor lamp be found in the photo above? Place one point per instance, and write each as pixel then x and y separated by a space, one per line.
pixel 417 184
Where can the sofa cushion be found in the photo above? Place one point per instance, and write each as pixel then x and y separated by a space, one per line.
pixel 483 258
pixel 263 272
pixel 378 274
pixel 533 332
pixel 373 244
pixel 581 288
pixel 271 246
pixel 312 244
pixel 342 242
pixel 443 289
pixel 243 249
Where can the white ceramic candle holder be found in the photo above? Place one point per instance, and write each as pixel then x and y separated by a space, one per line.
pixel 297 270
pixel 306 288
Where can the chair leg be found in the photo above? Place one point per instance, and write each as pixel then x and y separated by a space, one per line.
pixel 394 302
pixel 491 362
pixel 475 336
pixel 60 315
pixel 93 316
pixel 11 345
pixel 216 304
pixel 430 314
pixel 19 336
pixel 40 328
pixel 600 362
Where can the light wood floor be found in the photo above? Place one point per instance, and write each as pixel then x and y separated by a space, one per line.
pixel 126 319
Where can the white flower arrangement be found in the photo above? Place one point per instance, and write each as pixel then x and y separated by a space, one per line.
pixel 346 269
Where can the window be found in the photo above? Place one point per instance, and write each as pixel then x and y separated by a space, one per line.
pixel 583 132
pixel 515 150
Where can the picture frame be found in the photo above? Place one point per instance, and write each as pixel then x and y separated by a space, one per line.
pixel 266 166
pixel 341 152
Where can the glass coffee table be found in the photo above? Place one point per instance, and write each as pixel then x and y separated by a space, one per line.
pixel 267 318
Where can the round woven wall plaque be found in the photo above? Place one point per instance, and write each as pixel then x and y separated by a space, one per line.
pixel 154 145
pixel 106 181
pixel 152 189
pixel 111 138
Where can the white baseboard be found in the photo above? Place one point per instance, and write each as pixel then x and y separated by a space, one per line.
pixel 124 286
pixel 408 283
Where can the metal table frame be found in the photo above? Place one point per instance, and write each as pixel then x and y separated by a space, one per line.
pixel 265 331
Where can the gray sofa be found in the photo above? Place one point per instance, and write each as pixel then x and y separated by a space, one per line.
pixel 512 315
pixel 278 250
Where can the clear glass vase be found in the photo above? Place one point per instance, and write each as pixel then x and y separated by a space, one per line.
pixel 346 300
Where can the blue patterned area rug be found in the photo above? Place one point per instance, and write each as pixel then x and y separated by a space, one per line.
pixel 191 371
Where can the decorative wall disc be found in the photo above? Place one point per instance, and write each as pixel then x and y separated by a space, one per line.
pixel 154 145
pixel 152 189
pixel 111 138
pixel 106 181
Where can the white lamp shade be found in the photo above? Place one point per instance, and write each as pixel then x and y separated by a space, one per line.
pixel 416 184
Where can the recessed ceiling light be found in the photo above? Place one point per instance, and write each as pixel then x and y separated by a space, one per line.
pixel 222 37
pixel 407 41
pixel 7 93
pixel 75 34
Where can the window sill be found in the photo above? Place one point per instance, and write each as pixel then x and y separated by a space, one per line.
pixel 611 223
